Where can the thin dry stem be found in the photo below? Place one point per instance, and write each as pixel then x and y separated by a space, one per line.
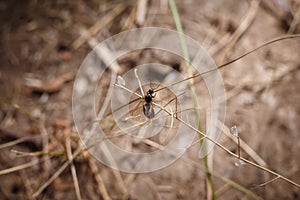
pixel 101 186
pixel 19 167
pixel 73 169
pixel 270 181
pixel 37 153
pixel 20 140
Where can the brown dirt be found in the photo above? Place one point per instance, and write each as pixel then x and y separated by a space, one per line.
pixel 36 42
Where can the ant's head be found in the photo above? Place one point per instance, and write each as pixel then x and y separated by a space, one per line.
pixel 150 94
pixel 151 91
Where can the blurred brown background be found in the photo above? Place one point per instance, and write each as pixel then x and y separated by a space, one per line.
pixel 43 44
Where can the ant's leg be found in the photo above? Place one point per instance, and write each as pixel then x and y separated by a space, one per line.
pixel 170 101
pixel 133 110
pixel 176 103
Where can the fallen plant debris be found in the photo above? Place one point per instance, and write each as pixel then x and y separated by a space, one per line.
pixel 50 86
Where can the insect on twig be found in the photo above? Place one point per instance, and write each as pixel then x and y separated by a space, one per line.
pixel 238 156
pixel 150 95
pixel 148 106
pixel 147 99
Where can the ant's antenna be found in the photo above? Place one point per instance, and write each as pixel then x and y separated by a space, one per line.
pixel 140 84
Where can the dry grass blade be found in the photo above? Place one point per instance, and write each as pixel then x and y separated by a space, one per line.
pixel 210 161
pixel 18 141
pixel 19 167
pixel 37 153
pixel 141 12
pixel 73 169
